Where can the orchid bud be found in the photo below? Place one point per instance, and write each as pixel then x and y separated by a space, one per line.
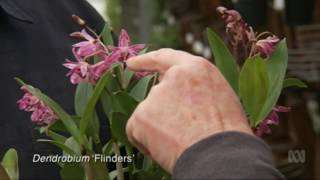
pixel 78 20
pixel 265 46
pixel 221 9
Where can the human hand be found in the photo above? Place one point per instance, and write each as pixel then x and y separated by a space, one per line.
pixel 192 101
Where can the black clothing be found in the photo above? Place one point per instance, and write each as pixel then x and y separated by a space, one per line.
pixel 228 155
pixel 34 37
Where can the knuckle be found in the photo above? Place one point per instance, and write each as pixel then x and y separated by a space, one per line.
pixel 177 70
pixel 156 54
pixel 203 63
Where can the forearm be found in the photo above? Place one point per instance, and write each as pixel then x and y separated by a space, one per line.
pixel 228 155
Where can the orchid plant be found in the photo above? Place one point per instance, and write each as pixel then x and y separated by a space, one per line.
pixel 256 74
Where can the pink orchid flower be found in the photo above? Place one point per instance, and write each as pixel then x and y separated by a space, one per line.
pixel 41 114
pixel 80 71
pixel 101 67
pixel 236 27
pixel 126 50
pixel 265 46
pixel 272 119
pixel 88 48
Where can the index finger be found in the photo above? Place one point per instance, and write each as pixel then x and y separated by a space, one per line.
pixel 159 61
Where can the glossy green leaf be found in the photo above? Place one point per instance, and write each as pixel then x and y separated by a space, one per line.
pixel 107 35
pixel 118 127
pixel 277 67
pixel 83 93
pixel 10 164
pixel 139 91
pixel 224 59
pixel 62 115
pixel 253 86
pixel 293 82
pixel 90 109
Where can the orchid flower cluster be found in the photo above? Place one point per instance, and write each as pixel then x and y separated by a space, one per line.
pixel 41 113
pixel 241 34
pixel 99 71
pixel 103 80
pixel 243 38
pixel 82 70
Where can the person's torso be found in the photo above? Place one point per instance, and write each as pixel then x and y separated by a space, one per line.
pixel 34 37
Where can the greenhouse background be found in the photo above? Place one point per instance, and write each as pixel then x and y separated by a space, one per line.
pixel 180 24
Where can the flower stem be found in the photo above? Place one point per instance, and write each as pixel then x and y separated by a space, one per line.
pixel 116 149
pixel 130 164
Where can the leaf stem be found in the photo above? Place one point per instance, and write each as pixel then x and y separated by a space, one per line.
pixel 130 164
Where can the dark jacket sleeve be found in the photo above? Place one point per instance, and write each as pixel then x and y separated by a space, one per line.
pixel 227 155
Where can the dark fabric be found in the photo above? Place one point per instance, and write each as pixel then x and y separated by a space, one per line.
pixel 34 37
pixel 228 155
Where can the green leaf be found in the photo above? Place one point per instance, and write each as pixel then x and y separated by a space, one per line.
pixel 55 136
pixel 118 102
pixel 58 125
pixel 62 115
pixel 143 51
pixel 10 164
pixel 118 127
pixel 62 146
pixel 83 93
pixel 139 91
pixel 128 75
pixel 147 163
pixel 96 168
pixel 277 67
pixel 290 82
pixel 3 174
pixel 72 171
pixel 72 144
pixel 107 148
pixel 90 109
pixel 124 103
pixel 107 35
pixel 253 86
pixel 224 59
pixel 106 102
